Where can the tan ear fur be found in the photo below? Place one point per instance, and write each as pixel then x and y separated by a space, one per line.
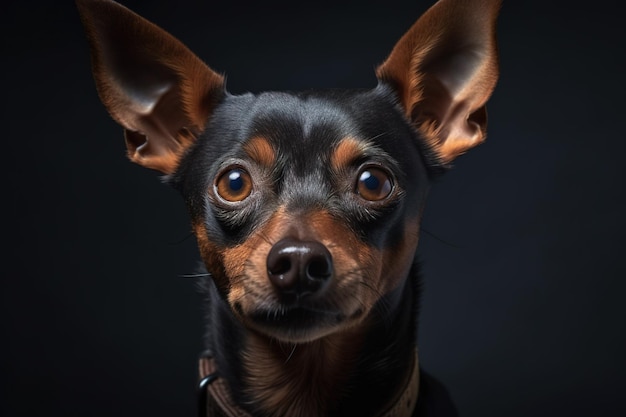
pixel 150 83
pixel 443 70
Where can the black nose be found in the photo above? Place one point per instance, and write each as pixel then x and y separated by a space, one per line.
pixel 298 268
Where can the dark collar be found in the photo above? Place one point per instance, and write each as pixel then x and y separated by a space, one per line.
pixel 215 400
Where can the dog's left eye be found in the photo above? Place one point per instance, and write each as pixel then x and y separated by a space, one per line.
pixel 234 185
pixel 374 184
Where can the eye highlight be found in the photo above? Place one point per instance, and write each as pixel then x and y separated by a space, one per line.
pixel 234 185
pixel 373 184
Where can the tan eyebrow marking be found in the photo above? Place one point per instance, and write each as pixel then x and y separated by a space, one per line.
pixel 346 152
pixel 261 151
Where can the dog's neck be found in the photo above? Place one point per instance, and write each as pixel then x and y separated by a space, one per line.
pixel 350 373
pixel 299 380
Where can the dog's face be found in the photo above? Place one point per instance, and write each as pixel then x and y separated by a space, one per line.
pixel 306 206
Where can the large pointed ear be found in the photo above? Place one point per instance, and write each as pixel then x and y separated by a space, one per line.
pixel 151 84
pixel 444 69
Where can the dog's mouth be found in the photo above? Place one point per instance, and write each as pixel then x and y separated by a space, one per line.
pixel 299 323
pixel 301 317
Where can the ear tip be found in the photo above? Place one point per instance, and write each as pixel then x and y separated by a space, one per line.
pixel 88 3
pixel 92 11
pixel 83 9
pixel 86 6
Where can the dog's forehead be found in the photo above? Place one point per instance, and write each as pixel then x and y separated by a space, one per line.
pixel 291 118
pixel 311 126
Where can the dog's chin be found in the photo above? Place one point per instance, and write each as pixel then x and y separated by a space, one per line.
pixel 299 324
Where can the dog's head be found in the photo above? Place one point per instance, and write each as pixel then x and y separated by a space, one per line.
pixel 306 206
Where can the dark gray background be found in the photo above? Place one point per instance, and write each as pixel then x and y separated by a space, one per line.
pixel 524 309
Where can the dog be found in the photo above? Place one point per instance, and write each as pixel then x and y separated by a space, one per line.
pixel 306 206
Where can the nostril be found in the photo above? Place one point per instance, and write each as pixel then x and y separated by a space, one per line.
pixel 280 266
pixel 319 268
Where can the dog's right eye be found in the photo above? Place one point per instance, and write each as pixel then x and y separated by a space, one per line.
pixel 234 185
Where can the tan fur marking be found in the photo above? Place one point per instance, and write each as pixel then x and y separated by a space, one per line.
pixel 246 266
pixel 348 150
pixel 211 256
pixel 261 151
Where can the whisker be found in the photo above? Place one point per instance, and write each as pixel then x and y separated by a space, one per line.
pixel 178 242
pixel 377 136
pixel 382 304
pixel 291 353
pixel 445 242
pixel 205 274
pixel 266 239
pixel 236 279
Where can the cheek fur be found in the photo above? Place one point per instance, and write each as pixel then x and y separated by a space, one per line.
pixel 211 256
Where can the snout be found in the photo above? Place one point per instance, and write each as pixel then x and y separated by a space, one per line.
pixel 299 269
pixel 297 301
pixel 301 278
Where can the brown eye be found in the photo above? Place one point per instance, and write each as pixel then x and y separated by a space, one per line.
pixel 234 185
pixel 374 184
